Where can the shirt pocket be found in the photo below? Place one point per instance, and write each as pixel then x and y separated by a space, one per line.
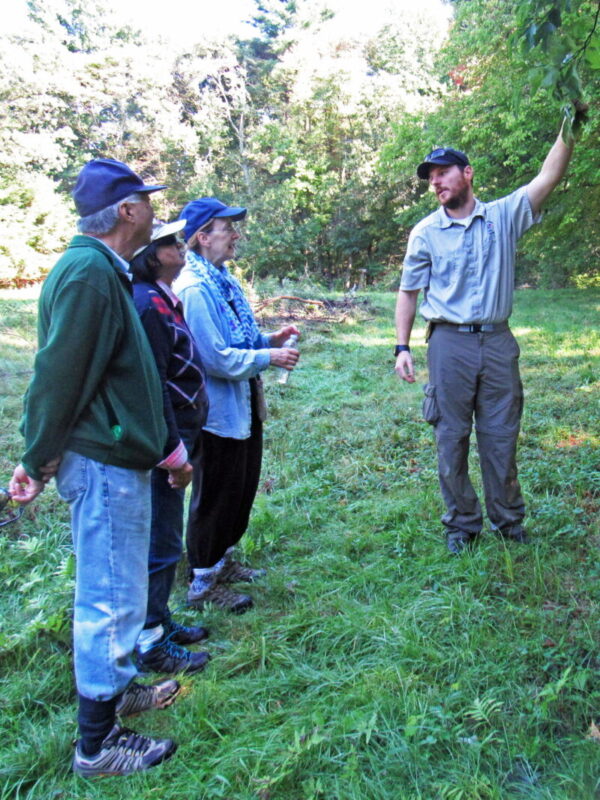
pixel 448 268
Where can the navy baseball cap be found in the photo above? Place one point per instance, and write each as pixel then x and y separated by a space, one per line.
pixel 198 212
pixel 442 157
pixel 103 182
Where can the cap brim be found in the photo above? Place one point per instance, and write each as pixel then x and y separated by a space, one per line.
pixel 233 213
pixel 423 169
pixel 139 250
pixel 170 229
pixel 148 189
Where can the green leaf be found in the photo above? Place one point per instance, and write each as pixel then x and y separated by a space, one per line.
pixel 534 79
pixel 554 17
pixel 592 53
pixel 530 36
pixel 550 78
pixel 546 34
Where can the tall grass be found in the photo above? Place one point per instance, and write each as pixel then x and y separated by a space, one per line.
pixel 374 665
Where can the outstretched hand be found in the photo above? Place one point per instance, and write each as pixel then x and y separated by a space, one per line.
pixel 581 115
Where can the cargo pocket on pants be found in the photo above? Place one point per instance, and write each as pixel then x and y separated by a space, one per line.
pixel 431 412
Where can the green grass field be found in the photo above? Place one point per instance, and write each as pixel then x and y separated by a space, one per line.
pixel 374 666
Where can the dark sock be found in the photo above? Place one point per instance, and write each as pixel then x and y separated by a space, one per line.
pixel 95 719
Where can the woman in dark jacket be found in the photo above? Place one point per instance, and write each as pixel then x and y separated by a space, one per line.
pixel 185 407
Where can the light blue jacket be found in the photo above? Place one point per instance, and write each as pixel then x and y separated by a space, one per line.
pixel 228 368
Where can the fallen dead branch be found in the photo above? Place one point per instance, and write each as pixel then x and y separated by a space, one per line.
pixel 271 300
pixel 286 308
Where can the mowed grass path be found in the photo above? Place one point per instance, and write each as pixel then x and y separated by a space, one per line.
pixel 374 665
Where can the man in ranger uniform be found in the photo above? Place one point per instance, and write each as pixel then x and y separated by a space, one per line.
pixel 462 256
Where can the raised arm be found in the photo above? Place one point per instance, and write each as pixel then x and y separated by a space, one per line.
pixel 551 173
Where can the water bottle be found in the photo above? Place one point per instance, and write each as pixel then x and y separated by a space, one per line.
pixel 284 373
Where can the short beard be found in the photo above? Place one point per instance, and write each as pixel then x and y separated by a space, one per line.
pixel 459 200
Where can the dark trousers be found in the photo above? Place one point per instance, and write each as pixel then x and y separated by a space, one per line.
pixel 222 495
pixel 167 532
pixel 476 376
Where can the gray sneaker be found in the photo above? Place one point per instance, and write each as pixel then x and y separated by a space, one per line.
pixel 220 596
pixel 138 697
pixel 122 752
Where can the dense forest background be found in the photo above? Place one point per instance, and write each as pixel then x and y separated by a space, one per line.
pixel 318 132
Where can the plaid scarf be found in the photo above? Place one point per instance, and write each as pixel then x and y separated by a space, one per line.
pixel 232 302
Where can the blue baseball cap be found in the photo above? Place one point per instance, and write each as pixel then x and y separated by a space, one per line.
pixel 103 182
pixel 198 212
pixel 442 157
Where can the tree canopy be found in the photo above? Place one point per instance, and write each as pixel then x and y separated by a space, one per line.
pixel 317 131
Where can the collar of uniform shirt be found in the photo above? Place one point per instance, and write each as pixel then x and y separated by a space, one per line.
pixel 447 221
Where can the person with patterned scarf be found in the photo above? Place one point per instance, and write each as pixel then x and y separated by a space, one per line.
pixel 234 353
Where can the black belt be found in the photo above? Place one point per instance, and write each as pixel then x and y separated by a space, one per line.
pixel 477 327
pixel 474 327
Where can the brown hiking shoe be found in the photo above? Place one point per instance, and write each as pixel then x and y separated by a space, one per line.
pixel 140 697
pixel 234 572
pixel 220 596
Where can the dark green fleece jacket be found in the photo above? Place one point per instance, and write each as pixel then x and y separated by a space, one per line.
pixel 95 388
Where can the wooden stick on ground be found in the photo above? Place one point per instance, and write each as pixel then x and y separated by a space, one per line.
pixel 270 300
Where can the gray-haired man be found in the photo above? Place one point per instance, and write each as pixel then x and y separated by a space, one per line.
pixel 95 404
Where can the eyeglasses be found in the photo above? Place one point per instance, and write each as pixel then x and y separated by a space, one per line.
pixel 228 227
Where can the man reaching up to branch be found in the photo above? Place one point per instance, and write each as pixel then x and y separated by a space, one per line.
pixel 463 256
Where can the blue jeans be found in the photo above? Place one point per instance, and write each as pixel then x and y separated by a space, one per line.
pixel 110 514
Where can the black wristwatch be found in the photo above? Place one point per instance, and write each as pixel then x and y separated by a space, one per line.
pixel 401 348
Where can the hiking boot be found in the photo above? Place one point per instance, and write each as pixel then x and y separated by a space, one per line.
pixel 234 572
pixel 458 542
pixel 166 656
pixel 122 752
pixel 184 634
pixel 140 697
pixel 220 596
pixel 515 534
